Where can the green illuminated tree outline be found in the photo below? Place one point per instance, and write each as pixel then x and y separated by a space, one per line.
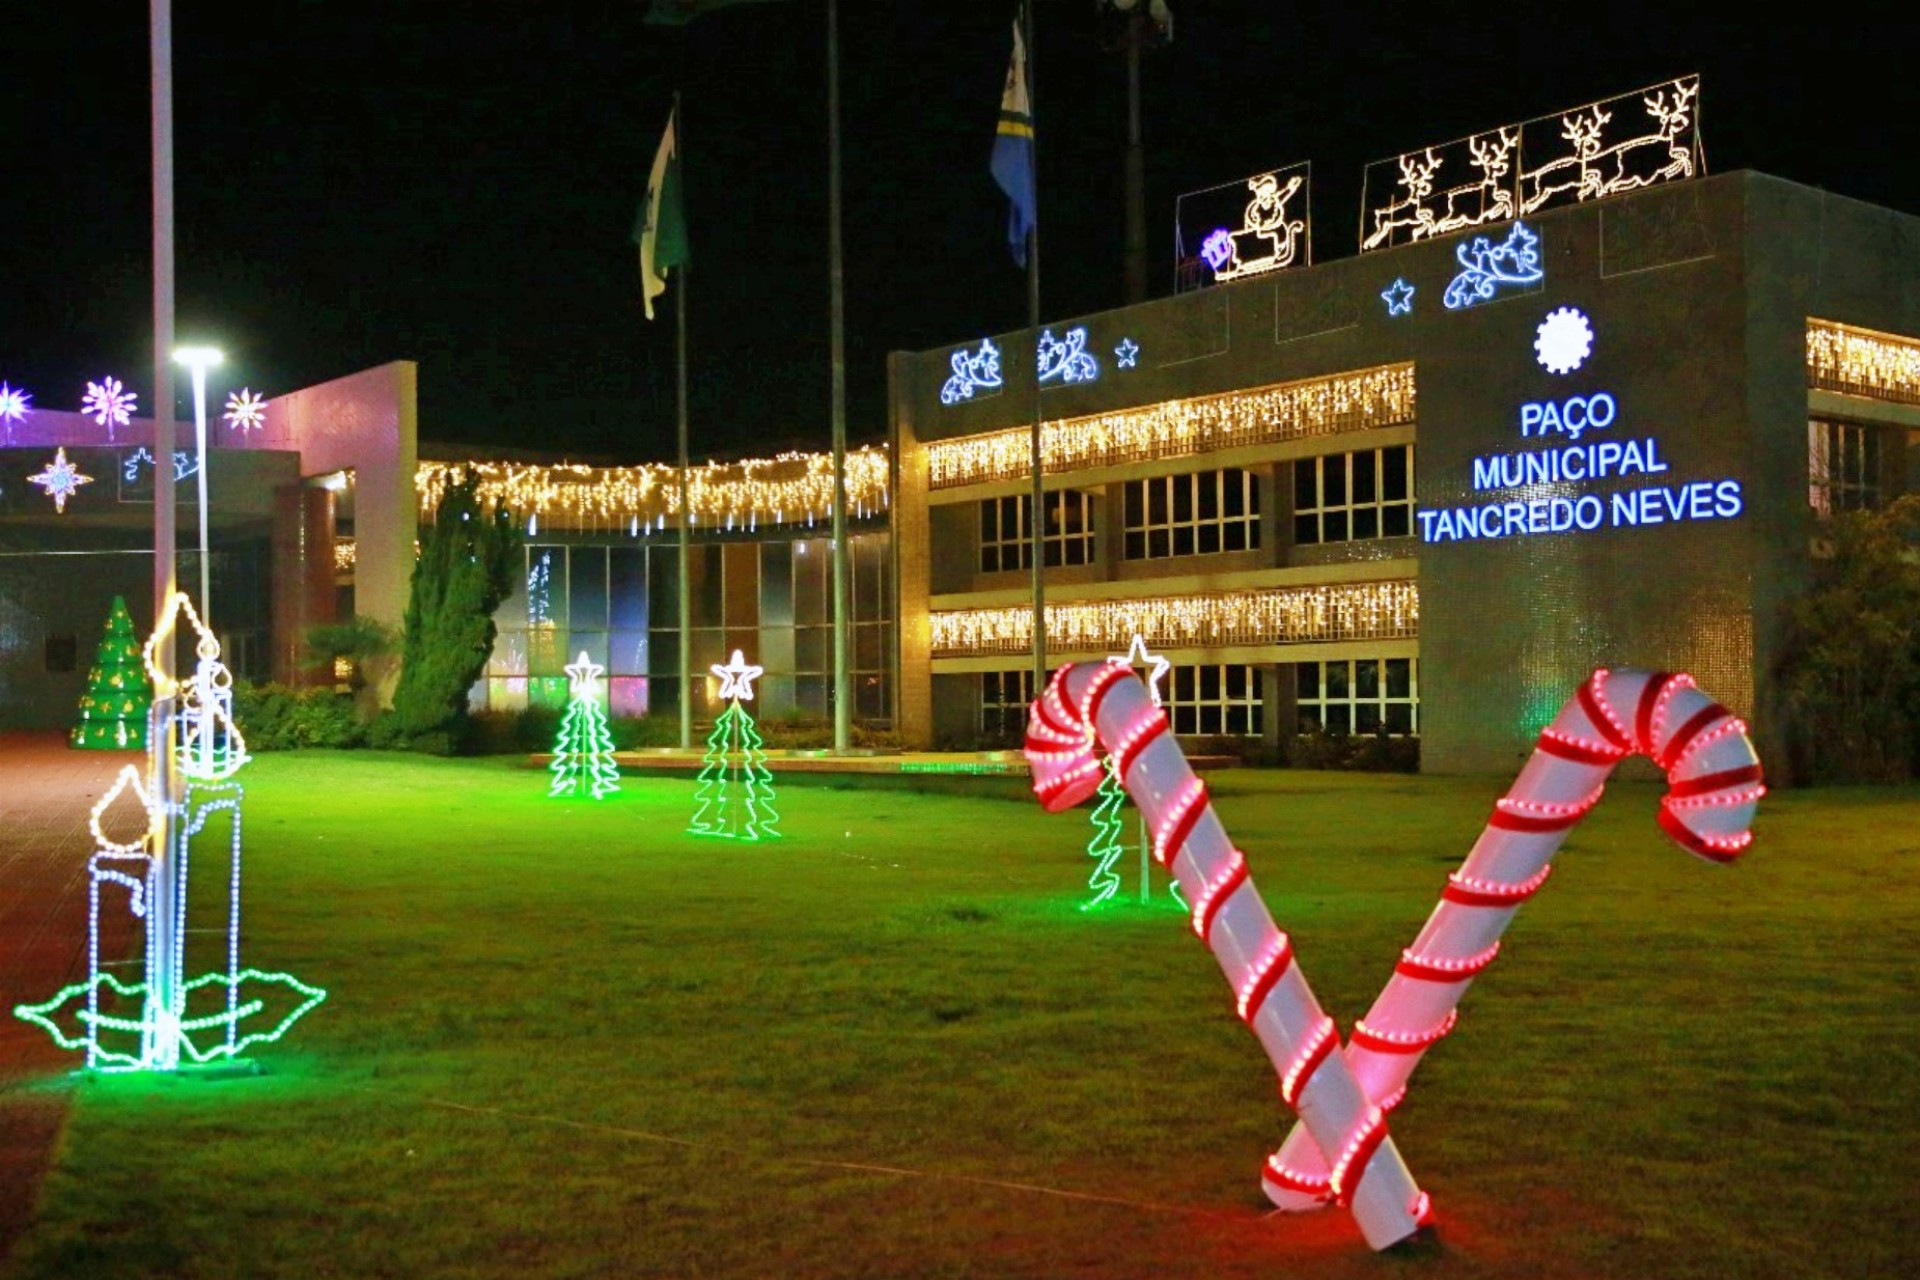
pixel 1105 844
pixel 113 712
pixel 583 752
pixel 735 794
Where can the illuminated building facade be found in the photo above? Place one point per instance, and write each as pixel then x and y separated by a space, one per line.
pixel 1421 491
pixel 1426 489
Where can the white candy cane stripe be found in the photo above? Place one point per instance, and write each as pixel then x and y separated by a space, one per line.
pixel 1713 781
pixel 1086 706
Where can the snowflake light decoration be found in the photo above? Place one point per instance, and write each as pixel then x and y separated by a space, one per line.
pixel 1563 341
pixel 15 405
pixel 245 411
pixel 61 480
pixel 110 403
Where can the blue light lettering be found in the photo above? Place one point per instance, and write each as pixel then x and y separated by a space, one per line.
pixel 1571 417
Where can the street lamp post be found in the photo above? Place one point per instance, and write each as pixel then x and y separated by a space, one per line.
pixel 198 360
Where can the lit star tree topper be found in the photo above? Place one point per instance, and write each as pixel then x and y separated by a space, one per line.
pixel 110 404
pixel 245 411
pixel 583 755
pixel 735 792
pixel 60 479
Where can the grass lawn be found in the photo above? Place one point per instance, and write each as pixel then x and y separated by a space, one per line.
pixel 566 1040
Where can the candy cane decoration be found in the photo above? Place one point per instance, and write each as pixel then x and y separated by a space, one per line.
pixel 1713 784
pixel 1108 702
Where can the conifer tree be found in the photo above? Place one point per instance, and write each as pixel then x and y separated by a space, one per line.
pixel 464 570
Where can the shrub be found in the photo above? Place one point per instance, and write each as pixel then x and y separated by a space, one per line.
pixel 1315 748
pixel 278 717
pixel 1850 670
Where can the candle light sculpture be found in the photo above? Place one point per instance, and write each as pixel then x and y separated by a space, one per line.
pixel 157 1024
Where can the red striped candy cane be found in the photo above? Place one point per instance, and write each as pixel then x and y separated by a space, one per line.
pixel 1108 703
pixel 1713 784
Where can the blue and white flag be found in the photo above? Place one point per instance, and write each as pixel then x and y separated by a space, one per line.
pixel 1012 163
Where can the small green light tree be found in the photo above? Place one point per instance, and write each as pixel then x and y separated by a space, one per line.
pixel 735 797
pixel 1105 844
pixel 583 754
pixel 113 712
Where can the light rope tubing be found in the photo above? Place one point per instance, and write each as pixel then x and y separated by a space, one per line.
pixel 1713 784
pixel 1107 701
pixel 1343 1098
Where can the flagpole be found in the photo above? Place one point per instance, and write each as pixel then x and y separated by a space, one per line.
pixel 686 516
pixel 1037 523
pixel 164 1000
pixel 842 687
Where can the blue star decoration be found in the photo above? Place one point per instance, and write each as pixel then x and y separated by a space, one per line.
pixel 61 480
pixel 1399 297
pixel 1127 353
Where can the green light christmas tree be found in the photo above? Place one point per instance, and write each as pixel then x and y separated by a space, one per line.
pixel 113 713
pixel 1105 845
pixel 735 795
pixel 583 753
pixel 1111 796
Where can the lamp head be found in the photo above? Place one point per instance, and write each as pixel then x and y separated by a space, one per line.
pixel 197 358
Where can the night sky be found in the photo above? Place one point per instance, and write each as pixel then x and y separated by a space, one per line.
pixel 456 184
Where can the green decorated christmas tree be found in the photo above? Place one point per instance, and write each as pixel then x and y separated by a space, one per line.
pixel 113 714
pixel 735 796
pixel 1105 844
pixel 583 753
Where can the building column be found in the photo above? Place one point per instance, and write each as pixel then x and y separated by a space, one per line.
pixel 301 577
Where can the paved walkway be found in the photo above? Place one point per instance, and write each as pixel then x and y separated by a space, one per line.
pixel 47 791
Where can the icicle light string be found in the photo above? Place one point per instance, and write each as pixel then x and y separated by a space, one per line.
pixel 1381 397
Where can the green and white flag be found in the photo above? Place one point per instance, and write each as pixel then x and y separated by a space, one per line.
pixel 660 228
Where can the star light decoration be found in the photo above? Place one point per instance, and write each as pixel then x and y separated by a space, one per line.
pixel 1399 297
pixel 245 411
pixel 61 480
pixel 1127 353
pixel 737 677
pixel 1563 341
pixel 110 403
pixel 1138 659
pixel 15 405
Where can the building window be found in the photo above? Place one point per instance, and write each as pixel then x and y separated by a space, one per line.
pixel 1199 514
pixel 1216 700
pixel 1005 539
pixel 1843 467
pixel 1342 497
pixel 1004 699
pixel 1360 695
